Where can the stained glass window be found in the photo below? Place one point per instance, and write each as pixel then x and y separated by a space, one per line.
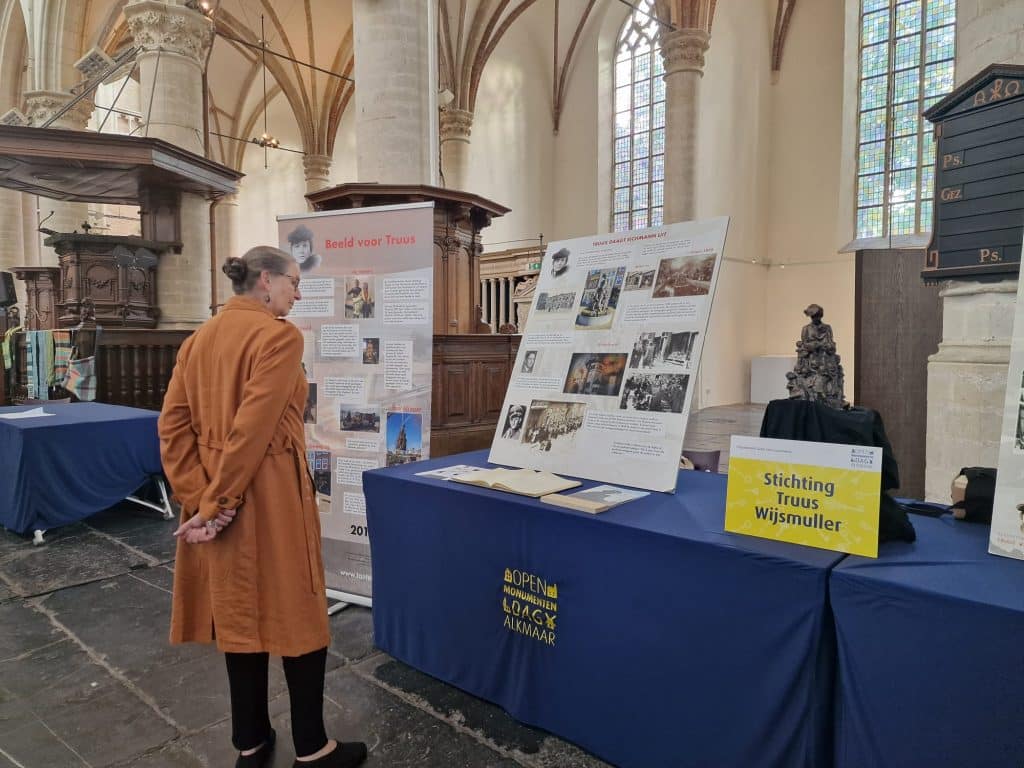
pixel 907 49
pixel 639 175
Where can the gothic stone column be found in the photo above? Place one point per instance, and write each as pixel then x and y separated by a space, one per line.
pixel 456 126
pixel 40 106
pixel 317 169
pixel 683 52
pixel 225 216
pixel 396 101
pixel 174 40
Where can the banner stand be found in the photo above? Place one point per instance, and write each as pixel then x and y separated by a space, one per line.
pixel 366 319
pixel 346 599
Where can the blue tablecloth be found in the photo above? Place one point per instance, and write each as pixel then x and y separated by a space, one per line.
pixel 931 671
pixel 674 643
pixel 58 469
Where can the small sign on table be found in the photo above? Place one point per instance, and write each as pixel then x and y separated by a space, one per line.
pixel 817 494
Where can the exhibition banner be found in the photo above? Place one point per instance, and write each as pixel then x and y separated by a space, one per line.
pixel 605 373
pixel 1007 534
pixel 817 494
pixel 366 314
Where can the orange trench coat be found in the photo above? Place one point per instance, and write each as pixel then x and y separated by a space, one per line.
pixel 231 436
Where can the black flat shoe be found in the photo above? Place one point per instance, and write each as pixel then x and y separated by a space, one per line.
pixel 347 755
pixel 261 757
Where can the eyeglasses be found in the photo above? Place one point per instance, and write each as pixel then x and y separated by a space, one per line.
pixel 293 280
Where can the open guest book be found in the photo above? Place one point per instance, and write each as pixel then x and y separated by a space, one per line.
pixel 526 482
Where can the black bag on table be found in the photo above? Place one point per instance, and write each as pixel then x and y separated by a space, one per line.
pixel 818 423
pixel 976 505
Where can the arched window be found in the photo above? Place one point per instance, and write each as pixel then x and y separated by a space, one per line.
pixel 907 49
pixel 639 162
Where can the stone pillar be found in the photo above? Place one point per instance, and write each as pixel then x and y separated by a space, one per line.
pixel 396 101
pixel 317 169
pixel 456 125
pixel 683 53
pixel 40 106
pixel 502 302
pixel 967 381
pixel 174 40
pixel 494 305
pixel 227 238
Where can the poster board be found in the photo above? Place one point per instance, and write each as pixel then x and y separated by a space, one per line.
pixel 1007 534
pixel 366 315
pixel 604 378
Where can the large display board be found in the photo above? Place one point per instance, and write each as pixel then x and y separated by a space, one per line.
pixel 367 317
pixel 1007 534
pixel 605 373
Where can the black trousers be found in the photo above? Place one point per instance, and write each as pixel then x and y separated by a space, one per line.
pixel 250 720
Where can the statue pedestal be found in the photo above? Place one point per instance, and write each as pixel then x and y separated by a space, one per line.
pixel 967 381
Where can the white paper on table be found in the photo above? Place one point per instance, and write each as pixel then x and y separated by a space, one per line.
pixel 32 414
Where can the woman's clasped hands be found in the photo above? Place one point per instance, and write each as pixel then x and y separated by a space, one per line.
pixel 195 530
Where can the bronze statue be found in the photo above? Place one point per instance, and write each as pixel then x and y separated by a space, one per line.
pixel 818 374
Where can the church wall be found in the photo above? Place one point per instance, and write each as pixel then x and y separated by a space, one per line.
pixel 732 179
pixel 988 32
pixel 805 151
pixel 511 154
pixel 266 193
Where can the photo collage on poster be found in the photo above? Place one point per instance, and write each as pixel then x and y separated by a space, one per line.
pixel 366 316
pixel 609 355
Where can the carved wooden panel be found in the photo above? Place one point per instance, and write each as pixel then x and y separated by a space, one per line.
pixel 457 406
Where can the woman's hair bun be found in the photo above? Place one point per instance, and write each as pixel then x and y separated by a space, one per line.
pixel 235 269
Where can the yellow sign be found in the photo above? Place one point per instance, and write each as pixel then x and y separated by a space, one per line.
pixel 817 494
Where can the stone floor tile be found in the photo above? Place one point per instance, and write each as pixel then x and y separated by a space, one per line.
pixel 82 705
pixel 398 734
pixel 35 746
pixel 24 629
pixel 64 562
pixel 160 576
pixel 352 633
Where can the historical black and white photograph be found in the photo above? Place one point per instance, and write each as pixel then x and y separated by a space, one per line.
pixel 657 350
pixel 553 425
pixel 363 418
pixel 530 359
pixel 595 373
pixel 639 279
pixel 600 298
pixel 660 392
pixel 556 302
pixel 1018 441
pixel 684 276
pixel 514 418
pixel 309 411
pixel 560 263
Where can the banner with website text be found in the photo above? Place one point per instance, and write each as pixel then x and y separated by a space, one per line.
pixel 817 494
pixel 367 318
pixel 604 378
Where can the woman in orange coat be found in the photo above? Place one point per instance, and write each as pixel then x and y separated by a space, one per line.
pixel 249 573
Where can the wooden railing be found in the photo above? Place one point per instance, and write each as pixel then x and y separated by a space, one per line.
pixel 133 367
pixel 470 375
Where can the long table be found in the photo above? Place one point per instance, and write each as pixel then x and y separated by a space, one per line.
pixel 63 467
pixel 931 668
pixel 646 634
